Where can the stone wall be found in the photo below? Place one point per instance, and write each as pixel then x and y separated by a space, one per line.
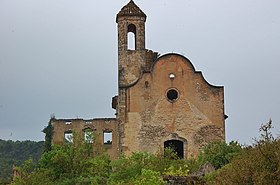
pixel 160 100
pixel 196 117
pixel 98 126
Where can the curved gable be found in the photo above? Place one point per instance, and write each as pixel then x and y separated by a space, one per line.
pixel 168 55
pixel 184 64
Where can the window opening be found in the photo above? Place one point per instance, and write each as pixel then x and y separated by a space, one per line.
pixel 177 146
pixel 131 37
pixel 172 95
pixel 107 137
pixel 68 137
pixel 89 136
pixel 131 41
pixel 68 122
pixel 171 76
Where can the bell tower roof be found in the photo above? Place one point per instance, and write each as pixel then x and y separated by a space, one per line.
pixel 131 9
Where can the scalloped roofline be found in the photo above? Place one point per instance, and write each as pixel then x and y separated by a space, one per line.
pixel 186 60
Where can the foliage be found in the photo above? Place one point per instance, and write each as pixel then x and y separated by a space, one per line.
pixel 219 153
pixel 26 168
pixel 257 164
pixel 15 153
pixel 76 163
pixel 172 171
pixel 149 177
pixel 142 165
pixel 73 163
pixel 48 136
pixel 4 182
pixel 253 166
pixel 83 162
pixel 266 135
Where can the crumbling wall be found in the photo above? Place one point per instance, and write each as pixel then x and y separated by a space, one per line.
pixel 98 126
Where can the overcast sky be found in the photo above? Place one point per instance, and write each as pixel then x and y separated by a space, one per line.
pixel 60 57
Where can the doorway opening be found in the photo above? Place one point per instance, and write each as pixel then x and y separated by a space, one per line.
pixel 177 146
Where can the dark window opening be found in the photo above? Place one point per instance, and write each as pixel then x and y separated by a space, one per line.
pixel 172 95
pixel 177 146
pixel 131 37
pixel 108 137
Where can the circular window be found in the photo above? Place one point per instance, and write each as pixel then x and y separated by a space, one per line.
pixel 172 95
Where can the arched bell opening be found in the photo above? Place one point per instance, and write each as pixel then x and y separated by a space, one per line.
pixel 131 37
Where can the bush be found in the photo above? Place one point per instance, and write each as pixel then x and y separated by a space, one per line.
pixel 219 153
pixel 73 163
pixel 128 170
pixel 257 164
pixel 149 177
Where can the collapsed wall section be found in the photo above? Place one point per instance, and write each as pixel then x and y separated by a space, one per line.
pixel 104 130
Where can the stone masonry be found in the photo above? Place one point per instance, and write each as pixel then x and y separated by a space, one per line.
pixel 162 101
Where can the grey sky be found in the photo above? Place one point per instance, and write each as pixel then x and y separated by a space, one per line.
pixel 60 56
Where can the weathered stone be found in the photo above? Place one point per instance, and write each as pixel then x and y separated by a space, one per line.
pixel 98 126
pixel 160 99
pixel 207 134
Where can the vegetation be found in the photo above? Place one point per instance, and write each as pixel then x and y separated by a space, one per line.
pixel 76 163
pixel 15 153
pixel 143 165
pixel 257 164
pixel 218 153
pixel 48 136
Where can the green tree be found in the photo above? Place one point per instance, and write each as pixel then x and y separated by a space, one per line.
pixel 219 153
pixel 15 153
pixel 72 163
pixel 48 136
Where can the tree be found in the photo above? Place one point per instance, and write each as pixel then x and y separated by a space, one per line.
pixel 72 163
pixel 219 153
pixel 48 135
pixel 15 153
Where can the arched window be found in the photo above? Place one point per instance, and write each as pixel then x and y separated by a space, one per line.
pixel 131 37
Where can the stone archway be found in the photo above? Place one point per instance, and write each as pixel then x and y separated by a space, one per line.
pixel 176 145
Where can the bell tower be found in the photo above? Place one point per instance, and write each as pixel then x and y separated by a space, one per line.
pixel 131 62
pixel 131 19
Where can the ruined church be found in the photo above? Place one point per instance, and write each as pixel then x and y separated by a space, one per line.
pixel 162 101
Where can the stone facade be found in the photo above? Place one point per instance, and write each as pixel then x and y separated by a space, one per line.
pixel 162 101
pixel 103 129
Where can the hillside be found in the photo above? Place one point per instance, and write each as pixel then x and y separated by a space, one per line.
pixel 15 153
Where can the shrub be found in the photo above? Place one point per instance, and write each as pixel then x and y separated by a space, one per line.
pixel 257 164
pixel 219 153
pixel 149 177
